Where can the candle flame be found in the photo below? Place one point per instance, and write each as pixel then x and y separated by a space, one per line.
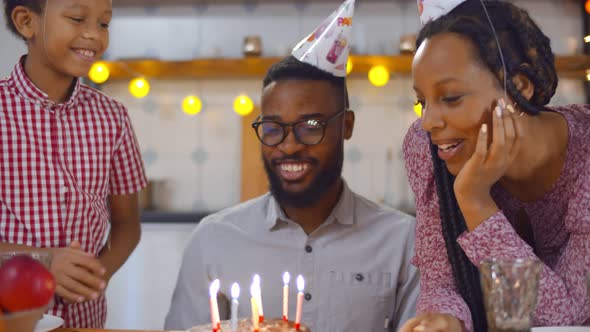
pixel 286 278
pixel 214 288
pixel 256 279
pixel 235 290
pixel 300 283
pixel 254 289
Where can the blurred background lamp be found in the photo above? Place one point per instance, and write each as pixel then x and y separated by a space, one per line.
pixel 243 105
pixel 349 66
pixel 192 105
pixel 99 73
pixel 418 109
pixel 139 87
pixel 378 76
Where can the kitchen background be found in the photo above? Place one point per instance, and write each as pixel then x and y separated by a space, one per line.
pixel 195 162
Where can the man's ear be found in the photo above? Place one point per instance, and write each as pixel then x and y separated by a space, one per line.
pixel 25 21
pixel 348 124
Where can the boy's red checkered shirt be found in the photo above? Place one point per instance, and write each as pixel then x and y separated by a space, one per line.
pixel 58 165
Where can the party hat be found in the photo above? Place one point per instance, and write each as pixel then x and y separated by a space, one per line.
pixel 328 46
pixel 432 9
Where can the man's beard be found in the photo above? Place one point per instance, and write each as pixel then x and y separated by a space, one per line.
pixel 316 189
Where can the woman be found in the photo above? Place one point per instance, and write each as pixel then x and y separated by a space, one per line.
pixel 496 173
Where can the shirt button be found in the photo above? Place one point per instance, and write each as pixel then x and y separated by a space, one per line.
pixel 308 248
pixel 359 277
pixel 307 297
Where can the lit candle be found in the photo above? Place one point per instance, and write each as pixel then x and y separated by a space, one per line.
pixel 213 289
pixel 254 303
pixel 286 280
pixel 300 288
pixel 259 297
pixel 235 293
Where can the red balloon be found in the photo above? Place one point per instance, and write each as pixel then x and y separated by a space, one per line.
pixel 25 284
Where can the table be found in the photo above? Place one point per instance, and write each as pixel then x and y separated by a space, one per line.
pixel 99 330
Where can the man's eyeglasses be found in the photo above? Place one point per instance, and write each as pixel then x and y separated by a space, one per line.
pixel 308 132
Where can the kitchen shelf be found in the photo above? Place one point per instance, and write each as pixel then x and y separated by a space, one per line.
pixel 571 66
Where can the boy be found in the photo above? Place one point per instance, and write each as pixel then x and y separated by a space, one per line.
pixel 70 168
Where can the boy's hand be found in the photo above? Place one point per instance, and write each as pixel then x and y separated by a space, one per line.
pixel 79 275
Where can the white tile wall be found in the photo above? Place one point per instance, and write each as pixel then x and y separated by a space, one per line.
pixel 10 48
pixel 138 296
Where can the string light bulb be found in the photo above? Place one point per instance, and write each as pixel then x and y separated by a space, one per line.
pixel 192 105
pixel 379 76
pixel 243 105
pixel 99 72
pixel 418 109
pixel 139 87
pixel 587 39
pixel 587 6
pixel 349 66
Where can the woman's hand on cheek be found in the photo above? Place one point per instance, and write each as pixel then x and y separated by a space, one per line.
pixel 487 165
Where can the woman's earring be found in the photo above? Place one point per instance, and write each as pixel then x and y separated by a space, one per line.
pixel 512 108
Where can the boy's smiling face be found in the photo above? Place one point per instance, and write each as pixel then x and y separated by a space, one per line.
pixel 69 35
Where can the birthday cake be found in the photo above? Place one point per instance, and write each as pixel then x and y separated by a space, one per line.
pixel 245 325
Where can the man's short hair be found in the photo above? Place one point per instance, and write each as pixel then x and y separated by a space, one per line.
pixel 290 68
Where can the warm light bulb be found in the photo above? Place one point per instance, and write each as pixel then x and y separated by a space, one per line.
pixel 587 39
pixel 379 76
pixel 587 6
pixel 286 278
pixel 243 105
pixel 99 73
pixel 235 290
pixel 300 283
pixel 418 109
pixel 349 66
pixel 139 87
pixel 192 105
pixel 588 75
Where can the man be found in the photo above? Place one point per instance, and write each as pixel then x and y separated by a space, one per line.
pixel 354 255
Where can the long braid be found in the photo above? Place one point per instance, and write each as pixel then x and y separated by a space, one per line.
pixel 453 225
pixel 527 51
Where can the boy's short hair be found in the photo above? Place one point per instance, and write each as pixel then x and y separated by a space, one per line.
pixel 9 5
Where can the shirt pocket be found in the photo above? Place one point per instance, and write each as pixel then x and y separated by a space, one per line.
pixel 358 300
